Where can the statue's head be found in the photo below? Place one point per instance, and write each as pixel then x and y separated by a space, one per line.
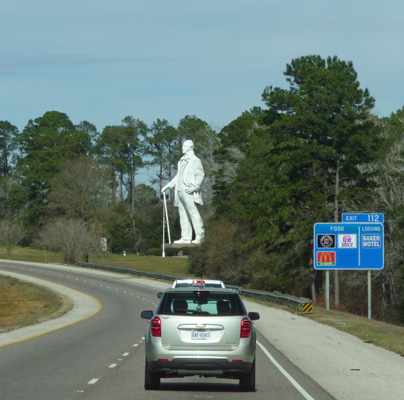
pixel 187 146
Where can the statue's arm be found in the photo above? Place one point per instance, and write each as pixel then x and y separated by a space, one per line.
pixel 199 175
pixel 195 175
pixel 171 184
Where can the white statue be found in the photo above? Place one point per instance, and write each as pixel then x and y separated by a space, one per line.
pixel 187 185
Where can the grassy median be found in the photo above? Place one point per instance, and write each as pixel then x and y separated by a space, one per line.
pixel 23 303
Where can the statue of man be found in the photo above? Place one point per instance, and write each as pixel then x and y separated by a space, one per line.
pixel 187 185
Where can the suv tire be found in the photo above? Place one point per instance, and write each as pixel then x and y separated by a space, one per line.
pixel 151 380
pixel 247 381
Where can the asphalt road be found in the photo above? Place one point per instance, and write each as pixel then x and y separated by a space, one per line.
pixel 102 356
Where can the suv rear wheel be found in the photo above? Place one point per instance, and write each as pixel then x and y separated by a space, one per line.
pixel 247 381
pixel 151 380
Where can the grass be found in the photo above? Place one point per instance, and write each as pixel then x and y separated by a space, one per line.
pixel 31 255
pixel 381 334
pixel 387 336
pixel 23 303
pixel 176 266
pixel 390 337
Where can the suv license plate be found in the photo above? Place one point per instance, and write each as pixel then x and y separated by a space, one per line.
pixel 200 335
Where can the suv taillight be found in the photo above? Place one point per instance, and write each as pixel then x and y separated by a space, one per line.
pixel 246 326
pixel 155 326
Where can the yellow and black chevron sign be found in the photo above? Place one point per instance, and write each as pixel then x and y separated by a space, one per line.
pixel 308 307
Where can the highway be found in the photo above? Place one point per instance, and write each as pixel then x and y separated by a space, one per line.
pixel 102 357
pixel 97 351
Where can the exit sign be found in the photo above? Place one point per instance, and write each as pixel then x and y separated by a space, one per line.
pixel 363 218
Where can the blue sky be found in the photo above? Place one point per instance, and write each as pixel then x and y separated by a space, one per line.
pixel 103 60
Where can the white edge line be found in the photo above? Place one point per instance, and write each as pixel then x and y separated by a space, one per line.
pixel 287 376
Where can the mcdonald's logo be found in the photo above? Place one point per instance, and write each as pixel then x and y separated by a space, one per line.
pixel 326 258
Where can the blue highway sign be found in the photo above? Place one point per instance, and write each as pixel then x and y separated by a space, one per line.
pixel 362 217
pixel 350 246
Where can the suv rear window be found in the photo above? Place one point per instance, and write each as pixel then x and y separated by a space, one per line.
pixel 207 304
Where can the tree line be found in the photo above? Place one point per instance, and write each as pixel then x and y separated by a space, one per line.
pixel 314 151
pixel 56 171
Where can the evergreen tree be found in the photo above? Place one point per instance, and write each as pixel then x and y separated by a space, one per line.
pixel 234 143
pixel 121 148
pixel 160 146
pixel 8 135
pixel 135 132
pixel 388 198
pixel 308 162
pixel 45 144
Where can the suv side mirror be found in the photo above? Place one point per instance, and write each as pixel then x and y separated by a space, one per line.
pixel 254 316
pixel 147 314
pixel 160 295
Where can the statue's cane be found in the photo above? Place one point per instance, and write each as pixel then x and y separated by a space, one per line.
pixel 168 224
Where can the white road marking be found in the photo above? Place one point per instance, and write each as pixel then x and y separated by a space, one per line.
pixel 125 354
pixel 287 376
pixel 112 365
pixel 135 345
pixel 93 381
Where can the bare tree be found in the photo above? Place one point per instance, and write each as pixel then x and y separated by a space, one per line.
pixel 73 238
pixel 11 233
pixel 79 189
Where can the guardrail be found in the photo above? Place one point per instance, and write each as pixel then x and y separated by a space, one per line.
pixel 275 297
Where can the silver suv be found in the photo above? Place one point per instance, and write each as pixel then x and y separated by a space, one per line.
pixel 198 331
